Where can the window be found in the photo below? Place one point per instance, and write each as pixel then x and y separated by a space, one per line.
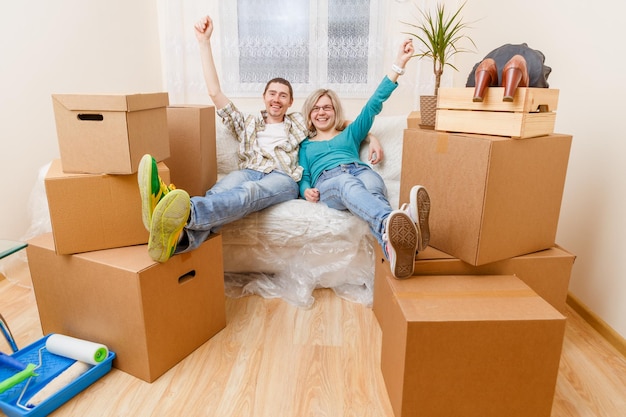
pixel 328 43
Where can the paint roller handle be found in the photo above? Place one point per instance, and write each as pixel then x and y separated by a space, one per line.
pixel 11 381
pixel 11 362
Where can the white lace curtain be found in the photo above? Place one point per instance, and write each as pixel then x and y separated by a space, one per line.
pixel 332 43
pixel 338 44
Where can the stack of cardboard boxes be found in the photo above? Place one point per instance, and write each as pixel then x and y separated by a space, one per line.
pixel 92 276
pixel 478 329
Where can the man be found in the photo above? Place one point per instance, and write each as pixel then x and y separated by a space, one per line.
pixel 268 162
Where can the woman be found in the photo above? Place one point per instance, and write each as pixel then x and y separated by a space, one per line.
pixel 334 174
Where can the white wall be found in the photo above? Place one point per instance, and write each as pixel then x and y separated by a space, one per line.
pixel 87 46
pixel 63 46
pixel 584 46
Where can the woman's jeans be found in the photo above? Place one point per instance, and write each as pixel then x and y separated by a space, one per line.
pixel 360 190
pixel 233 197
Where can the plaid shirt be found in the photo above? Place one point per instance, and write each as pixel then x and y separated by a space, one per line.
pixel 251 156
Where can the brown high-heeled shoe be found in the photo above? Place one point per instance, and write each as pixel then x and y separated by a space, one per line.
pixel 514 74
pixel 486 74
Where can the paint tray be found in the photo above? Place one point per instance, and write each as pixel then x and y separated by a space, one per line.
pixel 51 366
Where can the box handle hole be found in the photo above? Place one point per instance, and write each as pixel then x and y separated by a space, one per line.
pixel 186 277
pixel 91 117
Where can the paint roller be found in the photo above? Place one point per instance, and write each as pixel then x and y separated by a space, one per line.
pixel 85 353
pixel 77 349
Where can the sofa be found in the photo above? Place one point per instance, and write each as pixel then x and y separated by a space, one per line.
pixel 289 250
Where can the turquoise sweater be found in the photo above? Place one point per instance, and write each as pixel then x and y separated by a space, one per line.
pixel 316 157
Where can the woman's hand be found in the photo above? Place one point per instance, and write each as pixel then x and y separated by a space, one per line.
pixel 375 152
pixel 405 53
pixel 312 195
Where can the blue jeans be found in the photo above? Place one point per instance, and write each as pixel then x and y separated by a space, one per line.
pixel 360 190
pixel 233 197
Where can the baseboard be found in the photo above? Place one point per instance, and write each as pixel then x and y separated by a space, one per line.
pixel 606 331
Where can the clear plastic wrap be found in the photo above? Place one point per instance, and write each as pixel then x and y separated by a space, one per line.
pixel 13 266
pixel 289 250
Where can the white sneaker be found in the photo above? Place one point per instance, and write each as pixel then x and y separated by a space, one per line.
pixel 400 239
pixel 418 209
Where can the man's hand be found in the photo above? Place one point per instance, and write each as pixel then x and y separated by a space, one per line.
pixel 204 28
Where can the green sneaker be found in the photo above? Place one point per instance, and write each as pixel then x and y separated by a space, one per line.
pixel 151 188
pixel 169 217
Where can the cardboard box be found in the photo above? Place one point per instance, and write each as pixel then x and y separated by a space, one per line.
pixel 94 211
pixel 413 120
pixel 471 346
pixel 530 114
pixel 546 272
pixel 152 315
pixel 110 133
pixel 193 160
pixel 492 198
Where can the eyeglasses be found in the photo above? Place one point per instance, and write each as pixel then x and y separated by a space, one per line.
pixel 326 108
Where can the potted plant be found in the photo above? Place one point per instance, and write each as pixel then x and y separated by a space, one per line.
pixel 439 35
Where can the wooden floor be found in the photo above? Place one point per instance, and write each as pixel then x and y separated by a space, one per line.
pixel 273 359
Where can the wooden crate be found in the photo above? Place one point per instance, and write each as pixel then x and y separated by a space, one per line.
pixel 531 113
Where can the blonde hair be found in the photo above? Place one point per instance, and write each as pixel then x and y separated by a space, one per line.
pixel 308 105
